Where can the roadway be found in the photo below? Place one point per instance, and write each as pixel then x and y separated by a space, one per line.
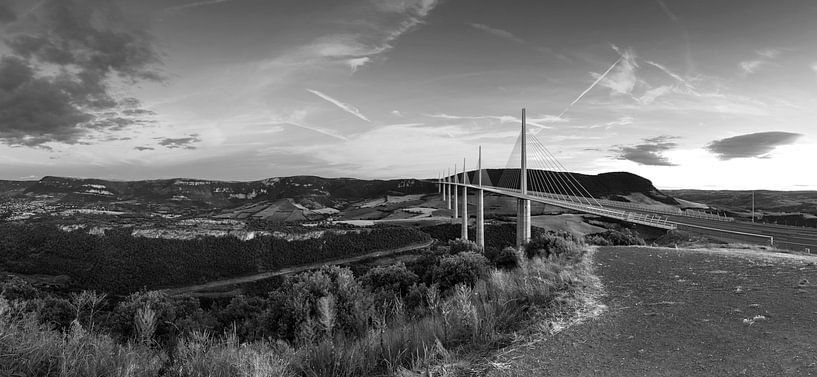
pixel 788 237
pixel 781 236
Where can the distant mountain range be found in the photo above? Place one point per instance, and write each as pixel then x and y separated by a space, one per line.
pixel 215 193
pixel 322 190
pixel 330 192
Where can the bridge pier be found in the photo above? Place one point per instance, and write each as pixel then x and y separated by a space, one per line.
pixel 480 225
pixel 464 227
pixel 456 194
pixel 523 205
pixel 448 190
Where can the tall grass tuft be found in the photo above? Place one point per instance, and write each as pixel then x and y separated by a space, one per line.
pixel 29 348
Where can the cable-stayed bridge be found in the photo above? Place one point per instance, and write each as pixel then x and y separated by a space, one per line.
pixel 534 174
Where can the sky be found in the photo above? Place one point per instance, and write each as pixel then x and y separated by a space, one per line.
pixel 687 93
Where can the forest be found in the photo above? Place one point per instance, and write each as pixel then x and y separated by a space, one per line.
pixel 118 263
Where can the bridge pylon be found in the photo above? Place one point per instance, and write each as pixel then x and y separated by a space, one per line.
pixel 464 233
pixel 454 187
pixel 480 225
pixel 523 205
pixel 448 190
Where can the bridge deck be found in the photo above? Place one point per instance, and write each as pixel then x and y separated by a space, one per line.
pixel 769 234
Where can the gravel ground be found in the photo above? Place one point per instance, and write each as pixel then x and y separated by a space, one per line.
pixel 686 313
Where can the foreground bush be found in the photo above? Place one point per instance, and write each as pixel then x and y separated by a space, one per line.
pixel 464 268
pixel 615 238
pixel 29 348
pixel 556 245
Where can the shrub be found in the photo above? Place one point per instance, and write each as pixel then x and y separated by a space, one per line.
pixel 294 306
pixel 174 316
pixel 507 258
pixel 28 348
pixel 549 244
pixel 460 246
pixel 395 278
pixel 14 288
pixel 463 268
pixel 615 238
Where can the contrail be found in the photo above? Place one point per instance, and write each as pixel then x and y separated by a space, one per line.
pixel 318 130
pixel 598 80
pixel 343 106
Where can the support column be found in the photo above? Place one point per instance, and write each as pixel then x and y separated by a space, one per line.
pixel 448 190
pixel 523 205
pixel 480 231
pixel 442 187
pixel 439 184
pixel 464 233
pixel 456 194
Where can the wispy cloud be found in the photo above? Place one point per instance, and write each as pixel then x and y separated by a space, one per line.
pixel 537 121
pixel 298 119
pixel 756 145
pixel 622 79
pixel 498 32
pixel 768 53
pixel 672 74
pixel 814 67
pixel 356 63
pixel 193 5
pixel 667 11
pixel 764 58
pixel 181 142
pixel 650 152
pixel 652 94
pixel 357 48
pixel 343 106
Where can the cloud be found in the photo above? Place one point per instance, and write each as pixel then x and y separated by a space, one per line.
pixel 55 81
pixel 359 47
pixel 814 67
pixel 622 79
pixel 667 11
pixel 650 152
pixel 535 121
pixel 498 33
pixel 193 5
pixel 751 66
pixel 768 53
pixel 751 145
pixel 765 58
pixel 143 148
pixel 652 94
pixel 672 74
pixel 297 119
pixel 182 142
pixel 356 63
pixel 343 106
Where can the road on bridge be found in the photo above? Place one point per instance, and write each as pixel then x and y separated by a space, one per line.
pixel 788 237
pixel 686 313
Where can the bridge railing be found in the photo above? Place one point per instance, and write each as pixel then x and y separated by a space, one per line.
pixel 633 206
pixel 557 200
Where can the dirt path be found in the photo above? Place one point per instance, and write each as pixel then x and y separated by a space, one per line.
pixel 687 313
pixel 291 270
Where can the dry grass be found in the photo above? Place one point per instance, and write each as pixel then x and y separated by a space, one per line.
pixel 468 321
pixel 28 348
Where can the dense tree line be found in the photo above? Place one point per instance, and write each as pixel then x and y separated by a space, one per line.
pixel 497 236
pixel 120 263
